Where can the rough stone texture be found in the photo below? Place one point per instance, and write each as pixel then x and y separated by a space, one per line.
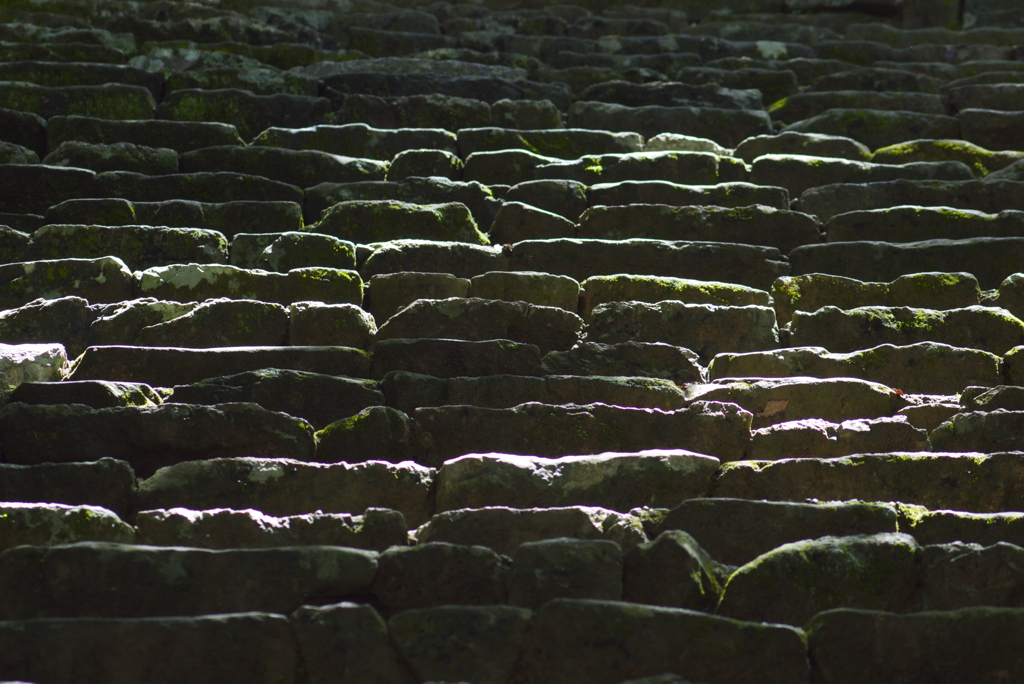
pixel 707 427
pixel 49 524
pixel 140 247
pixel 527 286
pixel 101 579
pixel 943 527
pixel 177 135
pixel 603 289
pixel 388 293
pixel 283 487
pixel 674 167
pixel 21 363
pixel 302 168
pixel 219 322
pixel 434 574
pixel 618 481
pixel 225 528
pixel 369 221
pixel 984 431
pixel 809 144
pixel 672 570
pixel 564 568
pixel 289 250
pixel 503 529
pixel 662 192
pixel 610 641
pixel 104 279
pixel 727 127
pixel 958 575
pixel 453 358
pixel 793 582
pixel 736 531
pixel 878 128
pixel 107 483
pixel 377 433
pixel 816 438
pixel 517 221
pixel 911 224
pixel 798 173
pixel 93 393
pixel 981 483
pixel 462 260
pixel 640 359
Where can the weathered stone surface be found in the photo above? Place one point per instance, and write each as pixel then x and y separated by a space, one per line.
pixel 611 641
pixel 149 437
pixel 104 279
pixel 358 140
pixel 254 647
pixel 673 167
pixel 675 142
pixel 794 143
pixel 297 167
pixel 804 105
pixel 517 221
pixel 206 186
pixel 316 323
pixel 990 129
pixel 942 647
pixel 958 575
pixel 620 288
pixel 795 581
pixel 50 524
pixel 283 252
pixel 541 289
pixel 713 428
pixel 387 293
pixel 456 643
pixel 671 570
pixel 977 327
pixel 754 225
pixel 547 327
pixel 460 259
pixel 663 192
pixel 247 112
pixel 798 173
pixel 368 221
pixel 506 167
pixel 119 156
pixel 21 363
pixel 911 224
pixel 377 433
pixel 65 321
pixel 93 393
pixel 817 438
pixel 197 282
pixel 981 160
pixel 107 483
pixel 982 483
pixel 434 574
pixel 406 111
pixel 25 129
pixel 736 531
pixel 503 529
pixel 617 481
pixel 410 391
pixel 561 143
pixel 628 359
pixel 140 247
pixel 178 135
pixel 107 101
pixel 565 198
pixel 773 401
pixel 452 358
pixel 926 290
pixel 878 128
pixel 727 127
pixel 564 568
pixel 944 527
pixel 14 242
pixel 348 641
pixel 985 431
pixel 526 114
pixel 413 163
pixel 174 581
pixel 922 367
pixel 707 329
pixel 1009 397
pixel 283 487
pixel 226 528
pixel 220 323
pixel 750 265
pixel 1011 294
pixel 317 398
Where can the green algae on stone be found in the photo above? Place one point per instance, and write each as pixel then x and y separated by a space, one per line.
pixel 377 433
pixel 598 290
pixel 978 158
pixel 140 247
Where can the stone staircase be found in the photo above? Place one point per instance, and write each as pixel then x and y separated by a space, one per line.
pixel 506 341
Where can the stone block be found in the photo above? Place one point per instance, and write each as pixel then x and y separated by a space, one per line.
pixel 913 224
pixel 517 221
pixel 727 127
pixel 816 438
pixel 980 431
pixel 358 140
pixel 100 280
pixel 283 252
pixel 140 247
pixel 627 359
pixel 672 570
pixel 180 136
pixel 219 323
pixel 878 128
pixel 314 323
pixel 114 157
pixel 387 293
pixel 685 168
pixel 34 363
pixel 804 105
pixel 454 358
pixel 463 260
pixel 994 130
pixel 92 393
pixel 663 192
pixel 799 173
pixel 51 524
pixel 561 143
pixel 985 529
pixel 32 188
pixel 108 101
pixel 247 112
pixel 372 221
pixel 212 187
pixel 805 144
pixel 377 433
pixel 425 163
pixel 107 483
pixel 302 168
pixel 565 198
pixel 564 568
pixel 982 161
pixel 622 288
pixel 539 289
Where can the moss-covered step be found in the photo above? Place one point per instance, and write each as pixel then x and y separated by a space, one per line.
pixel 989 196
pixel 196 282
pixel 733 195
pixel 877 128
pixel 990 260
pixel 877 78
pixel 150 437
pixel 139 246
pixel 627 359
pixel 370 221
pixel 113 157
pixel 209 187
pixel 800 106
pixel 943 527
pixel 754 225
pixel 994 130
pixel 671 94
pixel 32 188
pixel 684 168
pixel 505 167
pixel 425 163
pixel 805 144
pixel 736 531
pixel 109 101
pixel 181 136
pixel 50 524
pixel 218 323
pixel 104 279
pixel 283 487
pixel 461 259
pixel 62 74
pixel 925 290
pixel 210 639
pixel 453 358
pixel 162 590
pixel 504 529
pixel 225 528
pixel 971 482
pixel 247 112
pixel 408 391
pixel 798 173
pixel 980 431
pixel 445 112
pixel 258 80
pixel 358 140
pixel 706 329
pixel 749 265
pixel 561 143
pixel 541 289
pixel 297 167
pixel 708 427
pixel 912 224
pixel 817 438
pixel 167 367
pixel 981 160
pixel 727 127
pixel 617 481
pixel 387 293
pixel 282 252
pixel 93 393
pixel 774 83
pixel 479 198
pixel 986 328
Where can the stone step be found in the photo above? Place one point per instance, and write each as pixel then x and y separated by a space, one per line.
pixel 727 127
pixel 987 196
pixel 302 168
pixel 877 128
pixel 248 113
pixel 358 140
pixel 287 251
pixel 115 157
pixel 913 224
pixel 113 101
pixel 181 136
pixel 800 173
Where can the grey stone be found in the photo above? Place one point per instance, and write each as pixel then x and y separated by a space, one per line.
pixel 728 127
pixel 616 481
pixel 959 575
pixel 371 221
pixel 107 483
pixel 799 173
pixel 564 568
pixel 220 322
pixel 107 101
pixel 412 163
pixel 377 433
pixel 93 393
pixel 674 167
pixel 944 527
pixel 302 168
pixel 120 156
pixel 804 105
pixel 816 438
pixel 505 167
pixel 878 128
pixel 664 192
pixel 387 293
pixel 32 188
pixel 316 323
pixel 982 161
pixel 1009 397
pixel 283 252
pixel 639 359
pixel 561 143
pixel 140 247
pixel 565 198
pixel 985 431
pixel 541 289
pixel 51 524
pixel 912 224
pixel 177 135
pixel 247 112
pixel 453 358
pixel 21 363
pixel 993 130
pixel 209 187
pixel 104 279
pixel 65 321
pixel 671 570
pixel 282 487
pixel 463 260
pixel 518 221
pixel 358 140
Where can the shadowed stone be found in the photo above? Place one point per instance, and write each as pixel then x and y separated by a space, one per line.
pixel 283 252
pixel 120 156
pixel 798 173
pixel 943 527
pixel 220 323
pixel 283 487
pixel 959 575
pixel 358 140
pixel 103 279
pixel 32 188
pixel 984 431
pixel 387 293
pixel 412 163
pixel 794 143
pixel 107 101
pixel 561 143
pixel 180 136
pixel 93 393
pixel 517 221
pixel 452 358
pixel 564 568
pixel 33 363
pixel 540 289
pixel 247 112
pixel 816 438
pixel 727 127
pixel 911 224
pixel 672 167
pixel 640 359
pixel 65 321
pixel 140 247
pixel 377 433
pixel 201 186
pixel 297 167
pixel 672 570
pixel 663 192
pixel 878 128
pixel 370 221
pixel 107 482
pixel 50 524
pixel 460 259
